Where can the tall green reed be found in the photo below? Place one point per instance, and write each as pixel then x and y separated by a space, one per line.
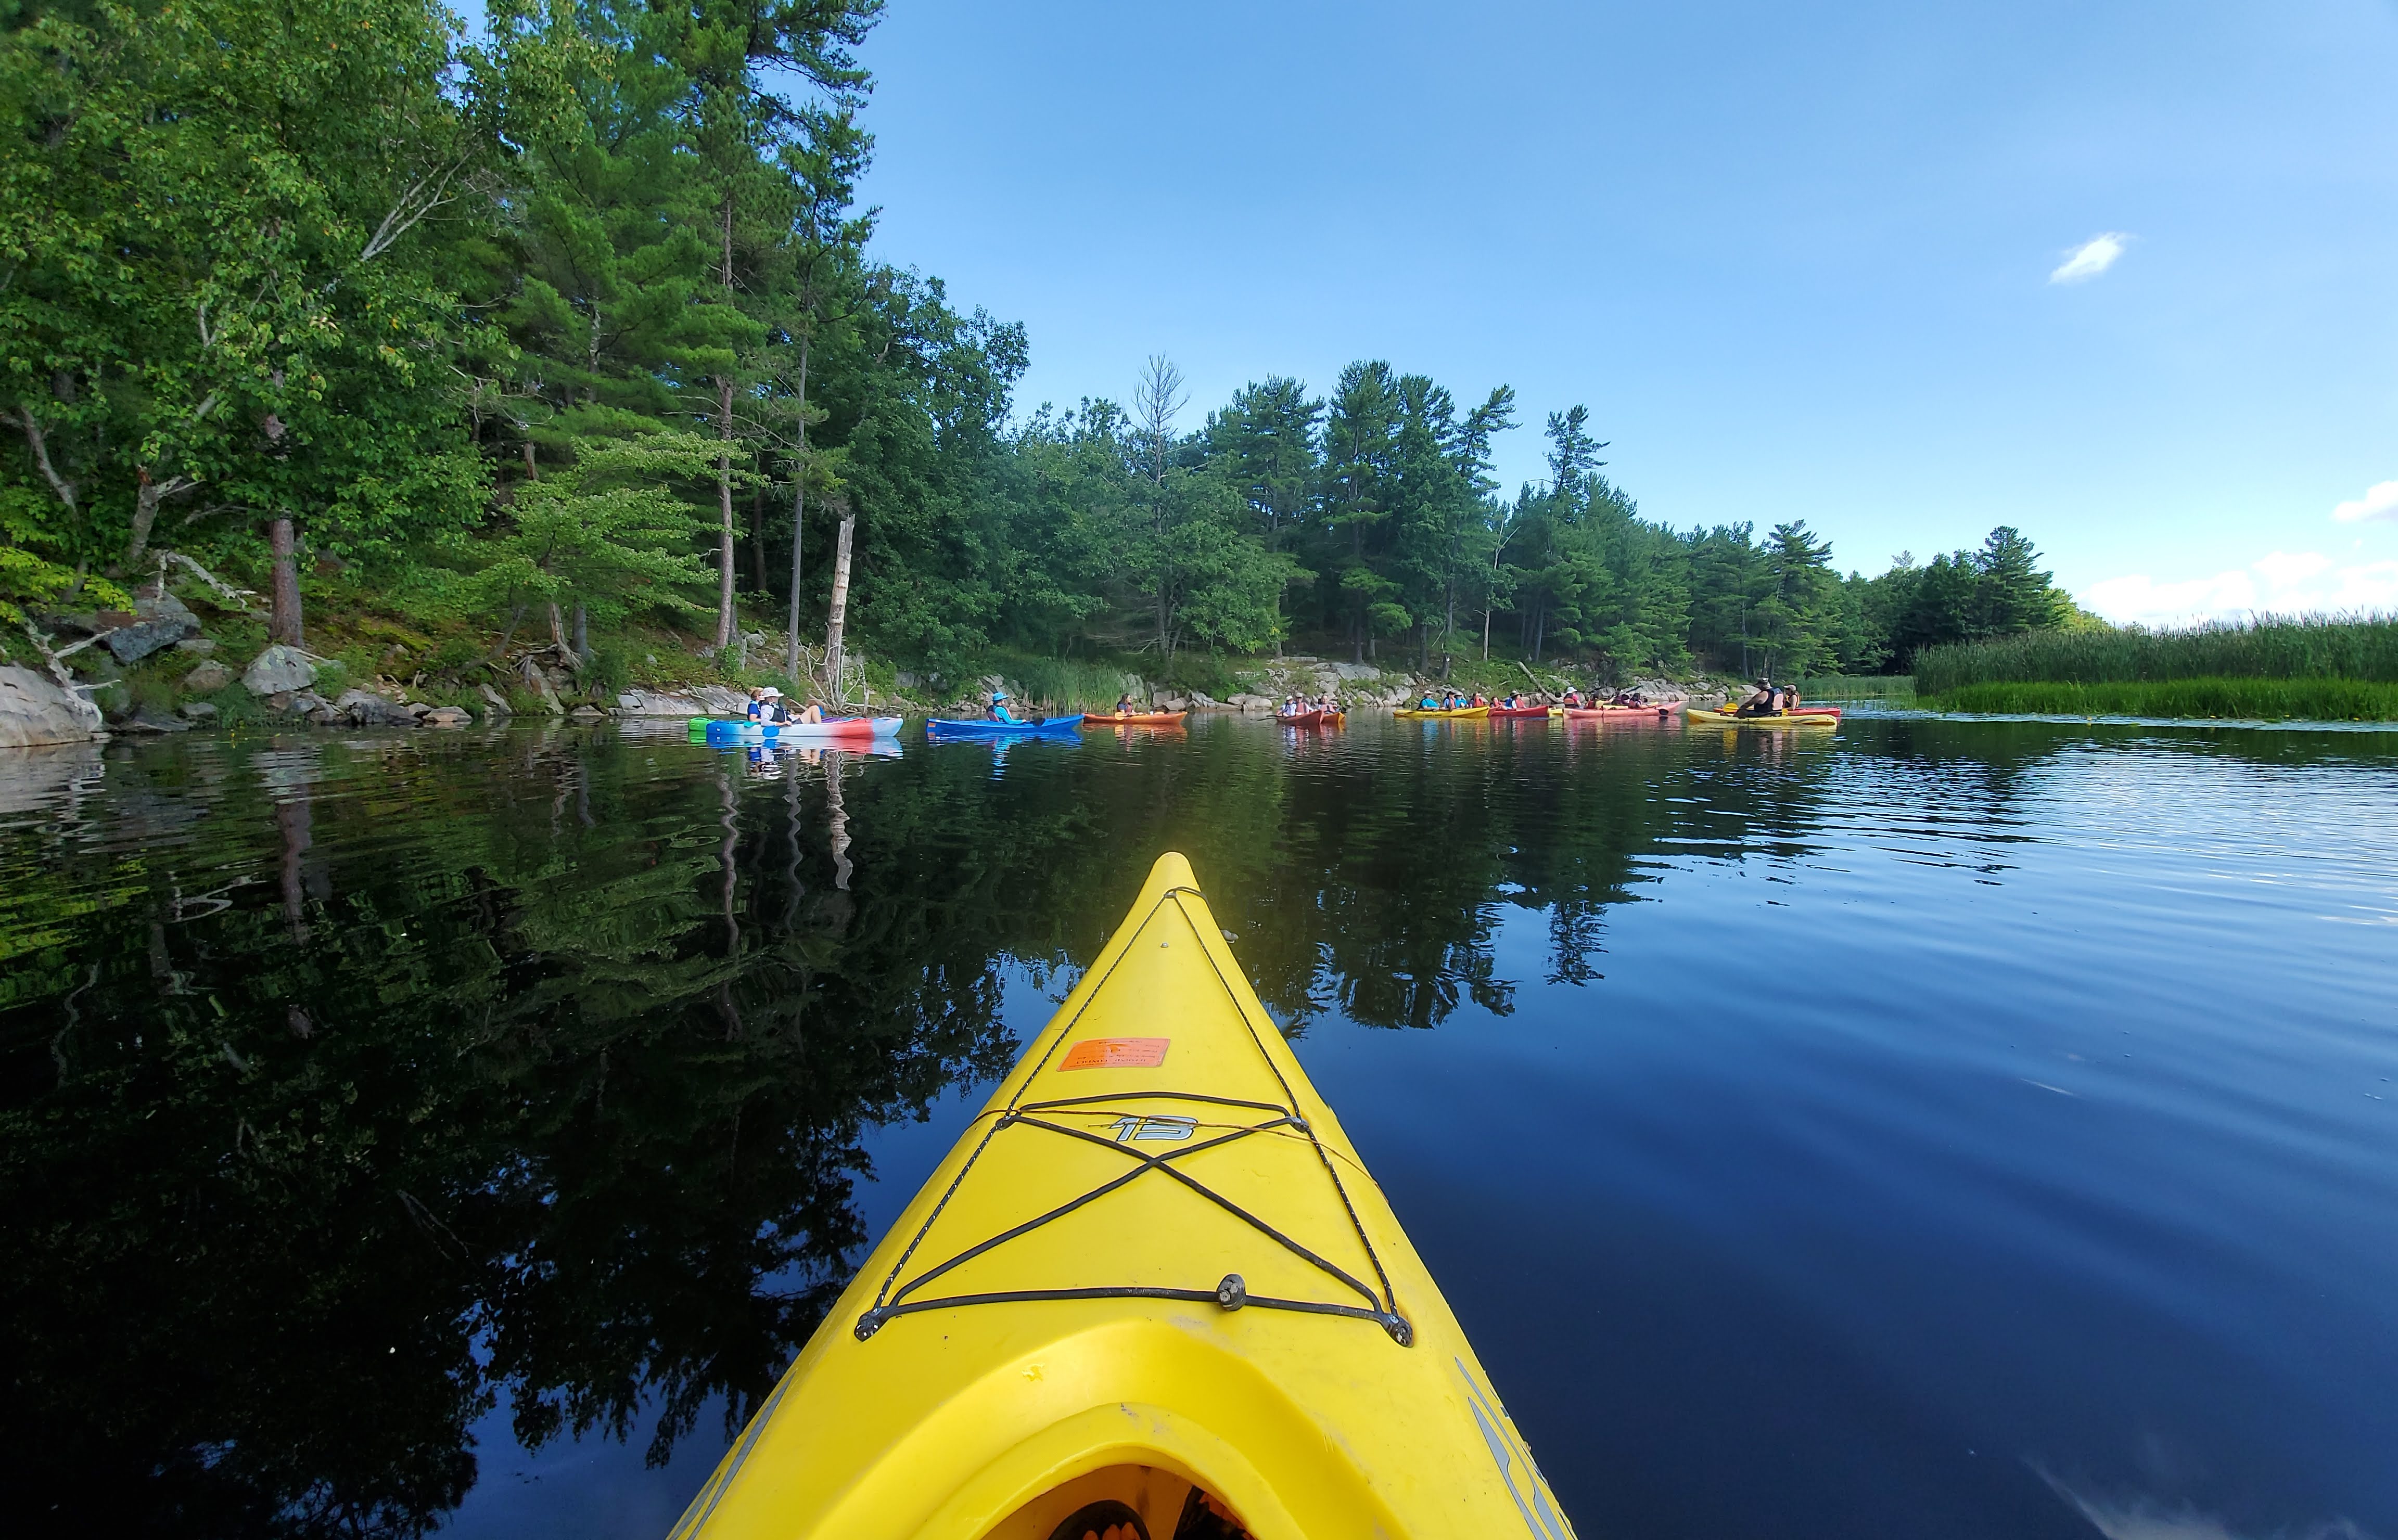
pixel 2269 647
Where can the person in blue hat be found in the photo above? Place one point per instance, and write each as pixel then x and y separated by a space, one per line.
pixel 999 712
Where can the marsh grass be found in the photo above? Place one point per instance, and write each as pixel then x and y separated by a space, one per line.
pixel 1067 685
pixel 1898 687
pixel 2298 648
pixel 2314 700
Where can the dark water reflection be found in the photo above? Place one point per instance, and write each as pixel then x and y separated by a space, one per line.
pixel 1955 1129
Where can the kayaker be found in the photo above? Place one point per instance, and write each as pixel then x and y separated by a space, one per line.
pixel 757 708
pixel 1759 703
pixel 1430 701
pixel 999 712
pixel 775 708
pixel 1124 706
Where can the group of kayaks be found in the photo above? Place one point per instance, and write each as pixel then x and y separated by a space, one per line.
pixel 834 731
pixel 1802 717
pixel 1151 1294
pixel 1497 713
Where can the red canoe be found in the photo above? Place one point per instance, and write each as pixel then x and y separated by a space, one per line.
pixel 1312 719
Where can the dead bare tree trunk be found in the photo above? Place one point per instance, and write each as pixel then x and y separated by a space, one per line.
pixel 283 622
pixel 799 522
pixel 839 611
pixel 146 499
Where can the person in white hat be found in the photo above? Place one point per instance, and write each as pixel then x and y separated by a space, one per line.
pixel 766 704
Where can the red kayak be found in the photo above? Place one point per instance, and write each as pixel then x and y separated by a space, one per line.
pixel 1497 711
pixel 1312 719
pixel 1589 713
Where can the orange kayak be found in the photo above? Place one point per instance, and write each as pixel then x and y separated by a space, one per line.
pixel 1136 719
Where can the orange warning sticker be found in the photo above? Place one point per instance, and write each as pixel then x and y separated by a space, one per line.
pixel 1116 1053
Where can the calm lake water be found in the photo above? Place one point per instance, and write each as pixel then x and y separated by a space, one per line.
pixel 1945 1129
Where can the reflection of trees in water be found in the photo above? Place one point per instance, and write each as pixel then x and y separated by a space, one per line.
pixel 481 1106
pixel 421 1075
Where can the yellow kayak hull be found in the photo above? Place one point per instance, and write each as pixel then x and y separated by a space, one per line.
pixel 1697 717
pixel 1461 713
pixel 1152 1272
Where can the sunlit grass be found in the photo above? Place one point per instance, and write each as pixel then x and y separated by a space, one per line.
pixel 2252 699
pixel 2291 648
pixel 1898 688
pixel 1066 685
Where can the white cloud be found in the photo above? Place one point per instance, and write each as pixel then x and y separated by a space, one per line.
pixel 2281 583
pixel 2287 569
pixel 2091 258
pixel 2380 500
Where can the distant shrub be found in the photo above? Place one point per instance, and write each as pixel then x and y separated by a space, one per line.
pixel 1204 672
pixel 1068 684
pixel 455 655
pixel 610 671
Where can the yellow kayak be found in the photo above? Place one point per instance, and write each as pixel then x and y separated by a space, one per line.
pixel 1697 717
pixel 1151 1289
pixel 1461 713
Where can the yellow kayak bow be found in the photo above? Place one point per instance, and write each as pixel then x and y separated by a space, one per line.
pixel 1151 1282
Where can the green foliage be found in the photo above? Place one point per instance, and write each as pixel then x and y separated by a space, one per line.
pixel 610 671
pixel 605 533
pixel 2305 698
pixel 1205 672
pixel 2303 648
pixel 582 313
pixel 1069 684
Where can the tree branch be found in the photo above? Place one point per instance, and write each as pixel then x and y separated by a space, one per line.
pixel 58 484
pixel 424 195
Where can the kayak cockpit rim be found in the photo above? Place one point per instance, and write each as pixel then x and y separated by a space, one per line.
pixel 891 1298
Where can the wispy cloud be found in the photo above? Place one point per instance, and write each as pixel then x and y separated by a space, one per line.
pixel 2281 582
pixel 2380 500
pixel 2091 258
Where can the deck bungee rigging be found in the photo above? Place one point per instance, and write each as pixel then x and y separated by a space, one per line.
pixel 1152 1288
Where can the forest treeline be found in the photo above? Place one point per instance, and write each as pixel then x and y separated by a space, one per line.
pixel 576 322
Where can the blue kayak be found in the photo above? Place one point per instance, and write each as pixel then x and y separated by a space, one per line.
pixel 1055 726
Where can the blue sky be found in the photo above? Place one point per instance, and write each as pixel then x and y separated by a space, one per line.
pixel 1797 260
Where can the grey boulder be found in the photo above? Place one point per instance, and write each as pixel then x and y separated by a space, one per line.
pixel 370 711
pixel 278 671
pixel 159 624
pixel 207 678
pixel 33 710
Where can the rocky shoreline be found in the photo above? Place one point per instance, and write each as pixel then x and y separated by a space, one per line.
pixel 50 705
